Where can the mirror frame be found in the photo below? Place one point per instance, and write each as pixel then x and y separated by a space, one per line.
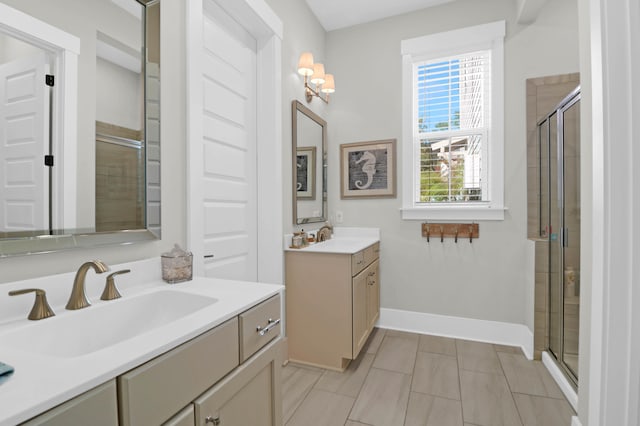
pixel 40 244
pixel 297 106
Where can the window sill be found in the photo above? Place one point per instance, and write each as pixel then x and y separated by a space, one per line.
pixel 459 212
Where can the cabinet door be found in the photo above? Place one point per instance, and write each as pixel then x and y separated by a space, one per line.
pixel 249 396
pixel 360 332
pixel 373 294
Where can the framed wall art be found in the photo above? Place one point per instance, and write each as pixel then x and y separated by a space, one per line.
pixel 368 169
pixel 306 172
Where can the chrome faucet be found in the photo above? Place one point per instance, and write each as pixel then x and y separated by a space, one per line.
pixel 78 299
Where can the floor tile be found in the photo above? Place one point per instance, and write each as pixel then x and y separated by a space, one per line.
pixel 350 381
pixel 528 377
pixel 436 375
pixel 321 408
pixel 396 353
pixel 427 410
pixel 375 339
pixel 540 411
pixel 383 399
pixel 508 349
pixel 296 384
pixel 486 400
pixel 437 345
pixel 477 356
pixel 400 333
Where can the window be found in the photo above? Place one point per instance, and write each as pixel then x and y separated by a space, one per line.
pixel 453 125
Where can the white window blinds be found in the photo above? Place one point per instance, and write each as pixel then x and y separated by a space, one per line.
pixel 451 124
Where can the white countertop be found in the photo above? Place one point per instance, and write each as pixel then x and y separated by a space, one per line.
pixel 344 241
pixel 41 381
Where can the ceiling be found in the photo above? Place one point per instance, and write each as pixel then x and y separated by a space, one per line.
pixel 336 14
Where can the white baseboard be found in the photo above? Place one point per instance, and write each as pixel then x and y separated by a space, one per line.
pixel 502 333
pixel 562 382
pixel 575 421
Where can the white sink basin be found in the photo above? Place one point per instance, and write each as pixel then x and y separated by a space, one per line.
pixel 90 329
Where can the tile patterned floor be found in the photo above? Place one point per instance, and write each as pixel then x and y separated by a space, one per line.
pixel 417 380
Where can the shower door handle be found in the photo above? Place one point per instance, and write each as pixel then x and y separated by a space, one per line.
pixel 564 237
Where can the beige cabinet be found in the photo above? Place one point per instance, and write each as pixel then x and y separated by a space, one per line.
pixel 95 407
pixel 248 396
pixel 333 302
pixel 234 363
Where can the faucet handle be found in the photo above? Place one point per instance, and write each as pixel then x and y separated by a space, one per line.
pixel 110 290
pixel 41 308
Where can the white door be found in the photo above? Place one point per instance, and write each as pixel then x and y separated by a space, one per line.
pixel 24 140
pixel 229 148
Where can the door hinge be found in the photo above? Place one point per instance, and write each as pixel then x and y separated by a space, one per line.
pixel 49 80
pixel 48 160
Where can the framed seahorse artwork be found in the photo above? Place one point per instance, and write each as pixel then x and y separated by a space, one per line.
pixel 368 169
pixel 306 173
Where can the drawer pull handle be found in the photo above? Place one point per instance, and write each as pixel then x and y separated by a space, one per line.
pixel 271 324
pixel 213 420
pixel 359 262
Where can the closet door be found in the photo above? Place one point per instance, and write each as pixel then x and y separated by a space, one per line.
pixel 229 147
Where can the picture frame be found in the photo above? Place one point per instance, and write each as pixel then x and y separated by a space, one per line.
pixel 368 169
pixel 305 173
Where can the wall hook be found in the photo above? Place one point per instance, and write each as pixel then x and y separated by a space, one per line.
pixel 428 232
pixel 442 234
pixel 456 236
pixel 470 234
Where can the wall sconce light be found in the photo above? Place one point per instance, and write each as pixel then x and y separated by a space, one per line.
pixel 314 74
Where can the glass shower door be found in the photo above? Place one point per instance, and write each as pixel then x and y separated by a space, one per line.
pixel 570 119
pixel 559 138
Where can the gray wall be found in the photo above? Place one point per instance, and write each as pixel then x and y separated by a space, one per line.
pixel 173 132
pixel 490 279
pixel 302 33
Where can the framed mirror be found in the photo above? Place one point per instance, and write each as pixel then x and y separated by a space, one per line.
pixel 309 165
pixel 81 120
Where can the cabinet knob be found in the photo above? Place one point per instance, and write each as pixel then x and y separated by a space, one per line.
pixel 213 420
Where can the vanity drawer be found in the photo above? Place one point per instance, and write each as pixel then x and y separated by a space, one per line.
pixel 155 391
pixel 96 407
pixel 357 263
pixel 266 315
pixel 371 253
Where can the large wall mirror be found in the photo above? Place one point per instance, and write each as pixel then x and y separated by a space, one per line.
pixel 79 125
pixel 309 165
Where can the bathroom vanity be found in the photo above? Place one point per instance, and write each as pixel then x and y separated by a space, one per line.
pixel 197 352
pixel 333 298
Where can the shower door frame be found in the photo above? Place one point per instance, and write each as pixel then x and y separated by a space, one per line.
pixel 569 101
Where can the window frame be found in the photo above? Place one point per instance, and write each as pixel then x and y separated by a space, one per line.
pixel 442 45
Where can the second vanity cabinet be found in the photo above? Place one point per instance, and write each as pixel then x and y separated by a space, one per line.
pixel 333 303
